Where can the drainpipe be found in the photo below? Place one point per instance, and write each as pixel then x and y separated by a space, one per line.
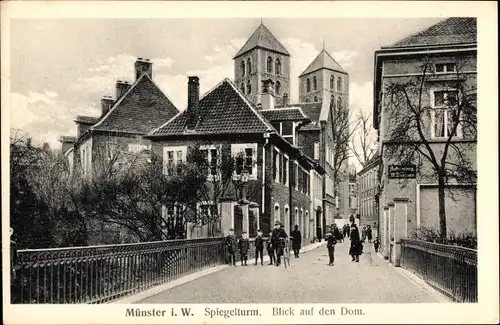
pixel 266 137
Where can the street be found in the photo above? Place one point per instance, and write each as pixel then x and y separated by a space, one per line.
pixel 308 280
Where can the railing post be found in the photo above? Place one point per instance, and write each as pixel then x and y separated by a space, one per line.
pixel 400 226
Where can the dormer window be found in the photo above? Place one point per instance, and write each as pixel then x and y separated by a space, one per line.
pixel 445 68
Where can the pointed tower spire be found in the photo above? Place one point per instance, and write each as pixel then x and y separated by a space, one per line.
pixel 323 42
pixel 261 21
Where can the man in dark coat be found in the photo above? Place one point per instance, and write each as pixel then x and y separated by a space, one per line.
pixel 336 232
pixel 296 241
pixel 270 249
pixel 355 248
pixel 231 246
pixel 277 235
pixel 369 233
pixel 243 247
pixel 331 241
pixel 259 247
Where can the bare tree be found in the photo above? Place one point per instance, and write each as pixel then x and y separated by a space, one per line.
pixel 363 150
pixel 417 115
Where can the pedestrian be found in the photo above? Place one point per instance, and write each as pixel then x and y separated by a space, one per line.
pixel 259 247
pixel 270 249
pixel 318 233
pixel 277 236
pixel 231 246
pixel 363 234
pixel 296 241
pixel 376 244
pixel 243 246
pixel 369 233
pixel 355 248
pixel 336 232
pixel 331 241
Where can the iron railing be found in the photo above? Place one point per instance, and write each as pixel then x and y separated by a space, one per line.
pixel 97 274
pixel 450 269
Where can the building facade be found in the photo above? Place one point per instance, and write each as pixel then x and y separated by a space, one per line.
pixel 449 51
pixel 367 183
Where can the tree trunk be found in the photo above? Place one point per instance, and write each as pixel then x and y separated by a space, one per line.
pixel 442 207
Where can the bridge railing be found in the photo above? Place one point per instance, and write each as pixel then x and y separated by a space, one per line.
pixel 450 269
pixel 97 274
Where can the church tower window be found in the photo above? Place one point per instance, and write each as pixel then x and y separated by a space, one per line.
pixel 242 88
pixel 249 66
pixel 315 83
pixel 332 99
pixel 339 84
pixel 308 85
pixel 339 103
pixel 277 87
pixel 249 87
pixel 315 99
pixel 269 64
pixel 277 67
pixel 332 82
pixel 243 68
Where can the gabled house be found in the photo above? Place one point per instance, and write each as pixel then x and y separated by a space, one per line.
pixel 137 109
pixel 223 121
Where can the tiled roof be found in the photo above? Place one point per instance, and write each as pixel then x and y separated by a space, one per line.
pixel 263 38
pixel 223 110
pixel 323 61
pixel 87 119
pixel 456 30
pixel 284 114
pixel 141 109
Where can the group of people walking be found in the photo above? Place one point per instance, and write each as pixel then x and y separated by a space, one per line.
pixel 275 245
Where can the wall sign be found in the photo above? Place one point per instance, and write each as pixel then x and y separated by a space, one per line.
pixel 402 171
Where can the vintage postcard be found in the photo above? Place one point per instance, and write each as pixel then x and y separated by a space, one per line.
pixel 249 162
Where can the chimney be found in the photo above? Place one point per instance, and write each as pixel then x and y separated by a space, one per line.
pixel 106 104
pixel 267 98
pixel 143 66
pixel 121 88
pixel 193 102
pixel 285 100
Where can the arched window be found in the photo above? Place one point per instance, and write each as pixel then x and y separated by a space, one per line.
pixel 243 68
pixel 269 64
pixel 332 100
pixel 332 81
pixel 243 88
pixel 249 87
pixel 339 84
pixel 286 218
pixel 315 99
pixel 315 83
pixel 308 85
pixel 276 212
pixel 277 68
pixel 249 66
pixel 339 103
pixel 277 87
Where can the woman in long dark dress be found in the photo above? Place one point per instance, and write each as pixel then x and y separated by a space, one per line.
pixel 355 248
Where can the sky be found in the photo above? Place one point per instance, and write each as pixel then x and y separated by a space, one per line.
pixel 61 68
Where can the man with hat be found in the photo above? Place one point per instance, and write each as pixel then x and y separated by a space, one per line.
pixel 231 246
pixel 276 236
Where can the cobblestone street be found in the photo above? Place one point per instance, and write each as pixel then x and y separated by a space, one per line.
pixel 308 280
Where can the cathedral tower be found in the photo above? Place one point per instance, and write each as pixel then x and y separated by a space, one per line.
pixel 262 57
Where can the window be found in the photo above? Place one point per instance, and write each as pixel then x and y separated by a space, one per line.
pixel 315 83
pixel 295 175
pixel 275 164
pixel 249 66
pixel 277 87
pixel 339 103
pixel 332 81
pixel 269 64
pixel 315 99
pixel 245 157
pixel 332 100
pixel 308 85
pixel 249 87
pixel 316 150
pixel 285 170
pixel 307 100
pixel 287 131
pixel 277 126
pixel 173 157
pixel 445 67
pixel 443 115
pixel 277 212
pixel 339 84
pixel 242 88
pixel 242 67
pixel 211 156
pixel 277 68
